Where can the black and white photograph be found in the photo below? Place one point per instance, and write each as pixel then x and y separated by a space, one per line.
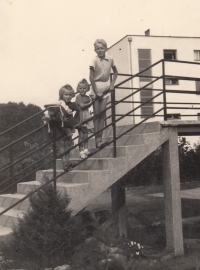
pixel 99 135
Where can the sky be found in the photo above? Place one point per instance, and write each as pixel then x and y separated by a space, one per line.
pixel 45 44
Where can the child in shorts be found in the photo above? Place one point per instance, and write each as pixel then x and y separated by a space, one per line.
pixel 101 86
pixel 84 102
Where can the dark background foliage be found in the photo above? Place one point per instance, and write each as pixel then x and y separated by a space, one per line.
pixel 149 171
pixel 10 115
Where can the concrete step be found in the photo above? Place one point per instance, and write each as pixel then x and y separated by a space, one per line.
pixel 122 141
pixel 89 164
pixel 26 187
pixel 10 217
pixel 106 152
pixel 76 191
pixel 7 200
pixel 141 129
pixel 75 176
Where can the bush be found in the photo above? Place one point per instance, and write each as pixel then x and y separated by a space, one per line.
pixel 47 234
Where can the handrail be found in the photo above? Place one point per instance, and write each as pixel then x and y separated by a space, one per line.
pixel 181 62
pixel 112 106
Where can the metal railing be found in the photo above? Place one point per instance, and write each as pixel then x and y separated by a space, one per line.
pixel 114 117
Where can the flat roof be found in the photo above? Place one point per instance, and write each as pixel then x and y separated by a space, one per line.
pixel 149 37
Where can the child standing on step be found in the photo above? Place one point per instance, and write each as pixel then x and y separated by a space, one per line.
pixel 66 93
pixel 84 102
pixel 101 86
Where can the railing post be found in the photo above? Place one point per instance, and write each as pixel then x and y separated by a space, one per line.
pixel 11 166
pixel 164 91
pixel 54 156
pixel 113 122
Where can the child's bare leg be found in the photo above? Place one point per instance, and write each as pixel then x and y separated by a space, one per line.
pixel 85 135
pixel 80 139
pixel 96 108
pixel 102 107
pixel 64 146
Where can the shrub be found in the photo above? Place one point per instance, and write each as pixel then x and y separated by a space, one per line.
pixel 47 234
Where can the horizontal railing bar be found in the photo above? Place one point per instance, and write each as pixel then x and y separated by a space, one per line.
pixel 183 78
pixel 155 89
pixel 183 92
pixel 158 115
pixel 138 115
pixel 189 108
pixel 183 62
pixel 161 102
pixel 4 132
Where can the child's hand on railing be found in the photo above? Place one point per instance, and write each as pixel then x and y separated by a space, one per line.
pixel 100 95
pixel 79 125
pixel 45 118
pixel 111 88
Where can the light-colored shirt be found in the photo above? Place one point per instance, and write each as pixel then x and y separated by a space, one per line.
pixel 102 68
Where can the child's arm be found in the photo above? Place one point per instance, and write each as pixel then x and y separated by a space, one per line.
pixel 114 78
pixel 92 80
pixel 83 105
pixel 78 109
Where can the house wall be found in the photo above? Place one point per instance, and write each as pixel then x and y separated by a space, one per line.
pixel 185 51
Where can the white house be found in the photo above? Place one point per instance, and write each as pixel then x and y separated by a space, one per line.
pixel 134 53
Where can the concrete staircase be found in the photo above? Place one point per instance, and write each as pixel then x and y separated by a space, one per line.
pixel 93 176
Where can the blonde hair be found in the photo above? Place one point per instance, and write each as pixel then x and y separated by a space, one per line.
pixel 63 89
pixel 101 41
pixel 83 81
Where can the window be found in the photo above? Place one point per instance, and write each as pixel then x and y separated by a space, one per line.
pixel 196 55
pixel 169 81
pixel 170 55
pixel 173 116
pixel 144 56
pixel 197 85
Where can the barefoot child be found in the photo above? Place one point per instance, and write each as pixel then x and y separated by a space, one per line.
pixel 61 114
pixel 101 86
pixel 84 103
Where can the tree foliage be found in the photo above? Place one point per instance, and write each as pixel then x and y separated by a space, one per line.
pixel 149 171
pixel 12 114
pixel 47 234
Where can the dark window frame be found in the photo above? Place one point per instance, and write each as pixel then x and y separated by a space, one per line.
pixel 166 55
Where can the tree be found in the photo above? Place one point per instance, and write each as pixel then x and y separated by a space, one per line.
pixel 149 171
pixel 10 115
pixel 47 234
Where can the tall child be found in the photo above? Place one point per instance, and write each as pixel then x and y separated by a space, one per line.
pixel 101 86
pixel 84 101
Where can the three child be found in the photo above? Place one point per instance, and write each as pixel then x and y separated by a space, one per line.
pixel 101 86
pixel 84 102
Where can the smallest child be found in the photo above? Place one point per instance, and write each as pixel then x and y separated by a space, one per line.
pixel 84 102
